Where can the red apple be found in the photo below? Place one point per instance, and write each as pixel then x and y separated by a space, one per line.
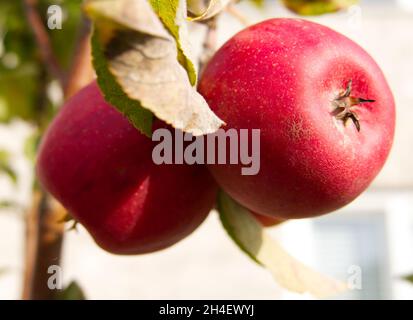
pixel 324 108
pixel 100 168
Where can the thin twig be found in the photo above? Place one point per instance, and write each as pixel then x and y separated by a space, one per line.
pixel 42 39
pixel 233 11
pixel 210 42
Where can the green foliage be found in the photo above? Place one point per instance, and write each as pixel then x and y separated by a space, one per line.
pixel 72 292
pixel 135 59
pixel 5 167
pixel 317 7
pixel 252 238
pixel 31 144
pixel 64 40
pixel 18 64
pixel 409 278
pixel 173 15
pixel 23 78
pixel 132 109
pixel 258 3
pixel 237 224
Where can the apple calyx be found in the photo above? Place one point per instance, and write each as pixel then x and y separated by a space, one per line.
pixel 344 106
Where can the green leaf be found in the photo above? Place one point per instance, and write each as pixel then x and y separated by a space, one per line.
pixel 258 3
pixel 135 58
pixel 317 7
pixel 252 238
pixel 23 77
pixel 18 92
pixel 409 278
pixel 5 167
pixel 72 292
pixel 64 40
pixel 173 14
pixel 130 108
pixel 19 69
pixel 201 11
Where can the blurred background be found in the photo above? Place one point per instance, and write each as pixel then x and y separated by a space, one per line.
pixel 373 235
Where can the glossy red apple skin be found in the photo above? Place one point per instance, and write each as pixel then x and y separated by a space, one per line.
pixel 100 168
pixel 282 76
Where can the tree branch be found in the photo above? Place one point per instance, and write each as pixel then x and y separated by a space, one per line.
pixel 44 227
pixel 81 70
pixel 42 39
pixel 44 238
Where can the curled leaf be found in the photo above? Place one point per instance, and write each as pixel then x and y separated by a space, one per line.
pixel 251 237
pixel 317 7
pixel 173 14
pixel 202 11
pixel 140 117
pixel 136 55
